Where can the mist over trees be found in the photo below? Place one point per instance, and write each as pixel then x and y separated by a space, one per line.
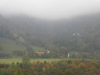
pixel 60 37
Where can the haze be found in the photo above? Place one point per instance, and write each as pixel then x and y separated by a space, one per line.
pixel 49 9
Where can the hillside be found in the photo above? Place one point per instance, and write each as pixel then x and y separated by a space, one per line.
pixel 13 48
pixel 79 36
pixel 9 46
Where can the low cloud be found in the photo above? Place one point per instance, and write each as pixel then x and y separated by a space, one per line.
pixel 49 9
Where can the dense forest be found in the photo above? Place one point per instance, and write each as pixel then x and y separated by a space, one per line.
pixel 79 36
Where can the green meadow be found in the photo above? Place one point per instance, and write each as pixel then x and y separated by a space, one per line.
pixel 15 60
pixel 10 45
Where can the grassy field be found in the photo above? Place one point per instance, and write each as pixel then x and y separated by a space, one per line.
pixel 10 45
pixel 38 49
pixel 15 60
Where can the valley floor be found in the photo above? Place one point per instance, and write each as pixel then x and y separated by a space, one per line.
pixel 15 60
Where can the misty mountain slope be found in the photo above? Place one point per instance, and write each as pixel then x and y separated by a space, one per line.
pixel 80 34
pixel 8 43
pixel 36 26
pixel 84 25
pixel 12 43
pixel 42 27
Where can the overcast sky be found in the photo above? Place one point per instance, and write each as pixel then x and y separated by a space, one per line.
pixel 49 9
